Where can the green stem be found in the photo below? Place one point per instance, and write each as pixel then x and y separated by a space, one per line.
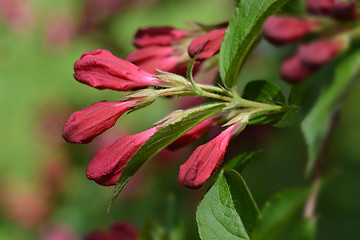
pixel 215 96
pixel 252 104
pixel 215 89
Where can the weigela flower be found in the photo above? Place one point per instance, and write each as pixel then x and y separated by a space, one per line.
pixel 107 165
pixel 84 125
pixel 206 45
pixel 283 30
pixel 161 36
pixel 194 134
pixel 318 53
pixel 100 69
pixel 118 230
pixel 205 160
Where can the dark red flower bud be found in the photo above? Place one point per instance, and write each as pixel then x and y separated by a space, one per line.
pixel 344 11
pixel 97 235
pixel 123 231
pixel 84 125
pixel 205 160
pixel 208 44
pixel 318 53
pixel 283 30
pixel 293 71
pixel 319 7
pixel 118 231
pixel 107 165
pixel 194 134
pixel 100 69
pixel 161 36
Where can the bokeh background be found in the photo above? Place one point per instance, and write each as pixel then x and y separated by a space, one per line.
pixel 44 192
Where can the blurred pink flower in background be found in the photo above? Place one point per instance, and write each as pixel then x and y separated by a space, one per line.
pixel 17 14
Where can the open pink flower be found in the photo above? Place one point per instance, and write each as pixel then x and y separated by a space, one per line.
pixel 118 231
pixel 161 36
pixel 318 53
pixel 107 165
pixel 205 160
pixel 84 125
pixel 283 30
pixel 194 134
pixel 293 71
pixel 208 44
pixel 100 69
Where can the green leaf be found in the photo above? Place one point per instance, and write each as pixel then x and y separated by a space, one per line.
pixel 241 34
pixel 265 117
pixel 305 230
pixel 240 162
pixel 294 8
pixel 278 212
pixel 264 91
pixel 291 117
pixel 317 122
pixel 227 211
pixel 171 129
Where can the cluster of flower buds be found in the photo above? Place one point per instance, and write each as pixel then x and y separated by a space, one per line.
pixel 102 70
pixel 158 48
pixel 311 55
pixel 169 49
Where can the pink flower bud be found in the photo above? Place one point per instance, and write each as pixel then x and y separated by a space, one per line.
pixel 84 125
pixel 344 11
pixel 208 44
pixel 161 36
pixel 205 160
pixel 194 134
pixel 293 71
pixel 319 7
pixel 107 165
pixel 100 69
pixel 154 57
pixel 283 30
pixel 318 53
pixel 146 53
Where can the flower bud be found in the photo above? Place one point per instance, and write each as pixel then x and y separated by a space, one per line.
pixel 207 45
pixel 107 165
pixel 318 53
pixel 100 69
pixel 344 11
pixel 283 30
pixel 319 7
pixel 150 52
pixel 205 160
pixel 152 58
pixel 161 36
pixel 194 134
pixel 118 230
pixel 293 71
pixel 84 125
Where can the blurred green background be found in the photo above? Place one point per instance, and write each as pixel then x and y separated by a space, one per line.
pixel 44 189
